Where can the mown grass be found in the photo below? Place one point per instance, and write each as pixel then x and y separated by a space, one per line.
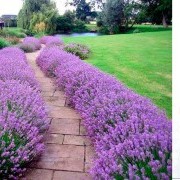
pixel 142 61
pixel 148 28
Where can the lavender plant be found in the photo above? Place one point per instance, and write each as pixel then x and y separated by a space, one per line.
pixel 78 49
pixel 33 43
pixel 51 41
pixel 27 47
pixel 131 136
pixel 20 143
pixel 23 117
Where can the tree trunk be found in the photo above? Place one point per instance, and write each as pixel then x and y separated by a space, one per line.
pixel 164 21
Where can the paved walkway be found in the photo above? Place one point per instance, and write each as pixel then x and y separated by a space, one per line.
pixel 68 152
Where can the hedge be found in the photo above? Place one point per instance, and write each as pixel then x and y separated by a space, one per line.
pixel 132 137
pixel 23 117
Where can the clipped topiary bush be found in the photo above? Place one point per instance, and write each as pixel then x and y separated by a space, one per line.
pixel 78 49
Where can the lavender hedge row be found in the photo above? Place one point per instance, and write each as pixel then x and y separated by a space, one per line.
pixel 51 41
pixel 132 137
pixel 30 44
pixel 23 118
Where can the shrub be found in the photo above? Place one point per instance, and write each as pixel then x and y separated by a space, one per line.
pixel 9 71
pixel 64 23
pixel 23 118
pixel 47 64
pixel 12 53
pixel 27 47
pixel 51 41
pixel 13 40
pixel 33 41
pixel 20 35
pixel 19 144
pixel 23 102
pixel 131 136
pixel 16 34
pixel 12 33
pixel 80 26
pixel 44 39
pixel 3 43
pixel 78 49
pixel 136 31
pixel 3 33
pixel 40 27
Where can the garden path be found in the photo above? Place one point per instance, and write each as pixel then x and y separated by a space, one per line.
pixel 68 153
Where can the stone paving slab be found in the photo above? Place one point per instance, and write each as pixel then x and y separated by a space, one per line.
pixel 64 126
pixel 54 138
pixel 82 130
pixel 63 175
pixel 63 112
pixel 39 174
pixel 55 101
pixel 76 140
pixel 89 154
pixel 46 88
pixel 62 157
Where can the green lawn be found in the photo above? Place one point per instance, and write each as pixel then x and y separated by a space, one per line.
pixel 142 61
pixel 149 28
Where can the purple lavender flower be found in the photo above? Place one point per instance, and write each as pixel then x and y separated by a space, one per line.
pixel 131 136
pixel 51 41
pixel 78 49
pixel 33 42
pixel 23 117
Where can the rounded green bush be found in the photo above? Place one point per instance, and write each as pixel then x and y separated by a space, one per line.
pixel 3 43
pixel 21 35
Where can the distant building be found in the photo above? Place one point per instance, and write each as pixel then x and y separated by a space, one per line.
pixel 9 20
pixel 1 24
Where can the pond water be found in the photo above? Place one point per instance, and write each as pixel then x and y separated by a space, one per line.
pixel 90 34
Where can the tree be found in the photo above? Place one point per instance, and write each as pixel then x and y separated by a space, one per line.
pixel 99 3
pixel 160 11
pixel 29 8
pixel 117 15
pixel 46 15
pixel 114 15
pixel 65 23
pixel 69 23
pixel 83 10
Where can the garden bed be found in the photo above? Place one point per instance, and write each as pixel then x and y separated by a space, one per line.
pixel 23 117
